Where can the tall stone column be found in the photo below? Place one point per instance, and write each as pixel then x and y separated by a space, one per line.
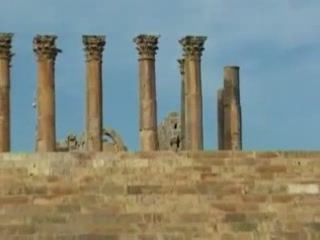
pixel 232 109
pixel 45 50
pixel 5 58
pixel 220 120
pixel 193 47
pixel 94 46
pixel 182 102
pixel 147 47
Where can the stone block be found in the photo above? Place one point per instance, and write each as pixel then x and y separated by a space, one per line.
pixel 245 226
pixel 14 200
pixel 303 189
pixel 235 217
pixel 199 195
pixel 17 229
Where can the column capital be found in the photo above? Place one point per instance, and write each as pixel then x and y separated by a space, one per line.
pixel 181 65
pixel 93 46
pixel 147 45
pixel 192 46
pixel 5 45
pixel 44 47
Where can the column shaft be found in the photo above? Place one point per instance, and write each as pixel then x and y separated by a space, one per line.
pixel 46 106
pixel 5 58
pixel 147 46
pixel 232 109
pixel 220 120
pixel 182 103
pixel 193 47
pixel 46 52
pixel 94 46
pixel 94 106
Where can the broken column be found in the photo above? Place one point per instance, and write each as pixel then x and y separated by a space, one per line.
pixel 232 109
pixel 94 46
pixel 182 102
pixel 193 47
pixel 45 50
pixel 5 58
pixel 220 120
pixel 147 47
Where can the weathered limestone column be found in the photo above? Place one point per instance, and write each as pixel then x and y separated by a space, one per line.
pixel 232 109
pixel 182 103
pixel 5 58
pixel 45 50
pixel 193 47
pixel 220 110
pixel 147 47
pixel 94 46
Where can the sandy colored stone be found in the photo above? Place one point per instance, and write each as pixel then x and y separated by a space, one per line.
pixel 147 45
pixel 192 50
pixel 182 101
pixel 45 49
pixel 170 132
pixel 5 59
pixel 220 119
pixel 94 46
pixel 232 118
pixel 169 193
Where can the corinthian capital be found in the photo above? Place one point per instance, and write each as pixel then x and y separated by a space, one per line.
pixel 192 46
pixel 93 46
pixel 5 45
pixel 147 45
pixel 181 65
pixel 44 46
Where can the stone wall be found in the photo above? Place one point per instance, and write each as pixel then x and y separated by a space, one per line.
pixel 169 132
pixel 160 195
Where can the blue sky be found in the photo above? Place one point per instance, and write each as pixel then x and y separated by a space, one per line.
pixel 276 43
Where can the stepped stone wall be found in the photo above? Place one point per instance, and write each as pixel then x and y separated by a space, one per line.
pixel 160 196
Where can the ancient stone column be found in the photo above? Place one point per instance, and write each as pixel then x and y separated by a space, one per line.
pixel 182 103
pixel 232 109
pixel 147 47
pixel 94 46
pixel 5 58
pixel 45 50
pixel 220 120
pixel 193 47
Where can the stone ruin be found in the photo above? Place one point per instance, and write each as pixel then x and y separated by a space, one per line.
pixel 178 131
pixel 112 142
pixel 169 132
pixel 190 194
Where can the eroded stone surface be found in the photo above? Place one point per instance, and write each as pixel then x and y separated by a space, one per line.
pixel 112 142
pixel 169 132
pixel 147 46
pixel 93 48
pixel 229 111
pixel 5 59
pixel 186 195
pixel 193 47
pixel 46 51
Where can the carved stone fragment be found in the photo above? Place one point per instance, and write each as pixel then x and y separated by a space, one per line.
pixel 169 132
pixel 112 142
